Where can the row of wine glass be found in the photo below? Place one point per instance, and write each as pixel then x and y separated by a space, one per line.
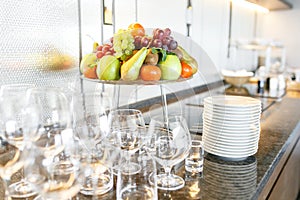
pixel 77 144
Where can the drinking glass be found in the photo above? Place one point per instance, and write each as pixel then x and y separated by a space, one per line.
pixel 52 106
pixel 127 128
pixel 194 161
pixel 13 138
pixel 52 175
pixel 91 126
pixel 90 120
pixel 13 112
pixel 170 144
pixel 137 186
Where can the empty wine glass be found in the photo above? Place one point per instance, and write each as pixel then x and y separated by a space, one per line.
pixel 127 128
pixel 137 186
pixel 52 106
pixel 89 112
pixel 13 108
pixel 54 176
pixel 170 144
pixel 91 126
pixel 13 137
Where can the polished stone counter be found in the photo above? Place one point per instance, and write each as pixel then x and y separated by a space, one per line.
pixel 247 179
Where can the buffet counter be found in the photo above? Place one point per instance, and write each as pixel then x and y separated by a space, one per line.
pixel 272 173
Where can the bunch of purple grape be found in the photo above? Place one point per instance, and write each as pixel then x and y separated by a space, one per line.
pixel 106 49
pixel 160 39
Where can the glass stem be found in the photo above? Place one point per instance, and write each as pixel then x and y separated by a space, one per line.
pixel 168 170
pixel 6 183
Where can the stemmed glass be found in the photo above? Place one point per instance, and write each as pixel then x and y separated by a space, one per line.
pixel 13 138
pixel 169 145
pixel 137 185
pixel 91 126
pixel 127 128
pixel 52 106
pixel 53 171
pixel 54 176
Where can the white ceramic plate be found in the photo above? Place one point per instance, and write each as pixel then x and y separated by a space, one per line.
pixel 229 134
pixel 232 125
pixel 229 142
pixel 219 121
pixel 226 148
pixel 230 148
pixel 221 127
pixel 234 131
pixel 232 153
pixel 230 119
pixel 215 116
pixel 232 101
pixel 230 112
pixel 232 109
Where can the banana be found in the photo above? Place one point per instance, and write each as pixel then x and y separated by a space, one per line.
pixel 95 45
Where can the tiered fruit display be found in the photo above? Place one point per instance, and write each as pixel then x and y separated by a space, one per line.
pixel 132 55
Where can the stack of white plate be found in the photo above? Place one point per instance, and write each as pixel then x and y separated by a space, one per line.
pixel 231 126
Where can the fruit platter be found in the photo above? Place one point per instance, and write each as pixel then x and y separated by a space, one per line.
pixel 138 56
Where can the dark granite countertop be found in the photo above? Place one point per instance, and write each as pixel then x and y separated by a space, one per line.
pixel 245 179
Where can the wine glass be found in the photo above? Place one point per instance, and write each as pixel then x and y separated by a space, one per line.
pixel 13 111
pixel 50 122
pixel 127 128
pixel 137 185
pixel 91 126
pixel 170 144
pixel 54 176
pixel 89 112
pixel 13 138
pixel 52 106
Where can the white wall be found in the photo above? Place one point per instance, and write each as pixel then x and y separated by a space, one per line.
pixel 284 26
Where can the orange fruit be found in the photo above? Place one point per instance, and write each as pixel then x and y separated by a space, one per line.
pixel 150 73
pixel 136 29
pixel 186 70
pixel 90 71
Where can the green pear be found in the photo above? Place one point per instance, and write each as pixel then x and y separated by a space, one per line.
pixel 170 68
pixel 87 60
pixel 108 68
pixel 130 70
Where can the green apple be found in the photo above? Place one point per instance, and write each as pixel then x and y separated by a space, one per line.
pixel 87 60
pixel 108 68
pixel 170 68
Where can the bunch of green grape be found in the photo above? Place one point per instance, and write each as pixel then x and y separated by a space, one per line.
pixel 123 44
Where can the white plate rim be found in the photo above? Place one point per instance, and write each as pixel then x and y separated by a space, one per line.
pixel 231 128
pixel 249 146
pixel 239 142
pixel 229 133
pixel 231 98
pixel 231 155
pixel 209 113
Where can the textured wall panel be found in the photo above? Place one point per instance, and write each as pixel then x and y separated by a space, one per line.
pixel 39 41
